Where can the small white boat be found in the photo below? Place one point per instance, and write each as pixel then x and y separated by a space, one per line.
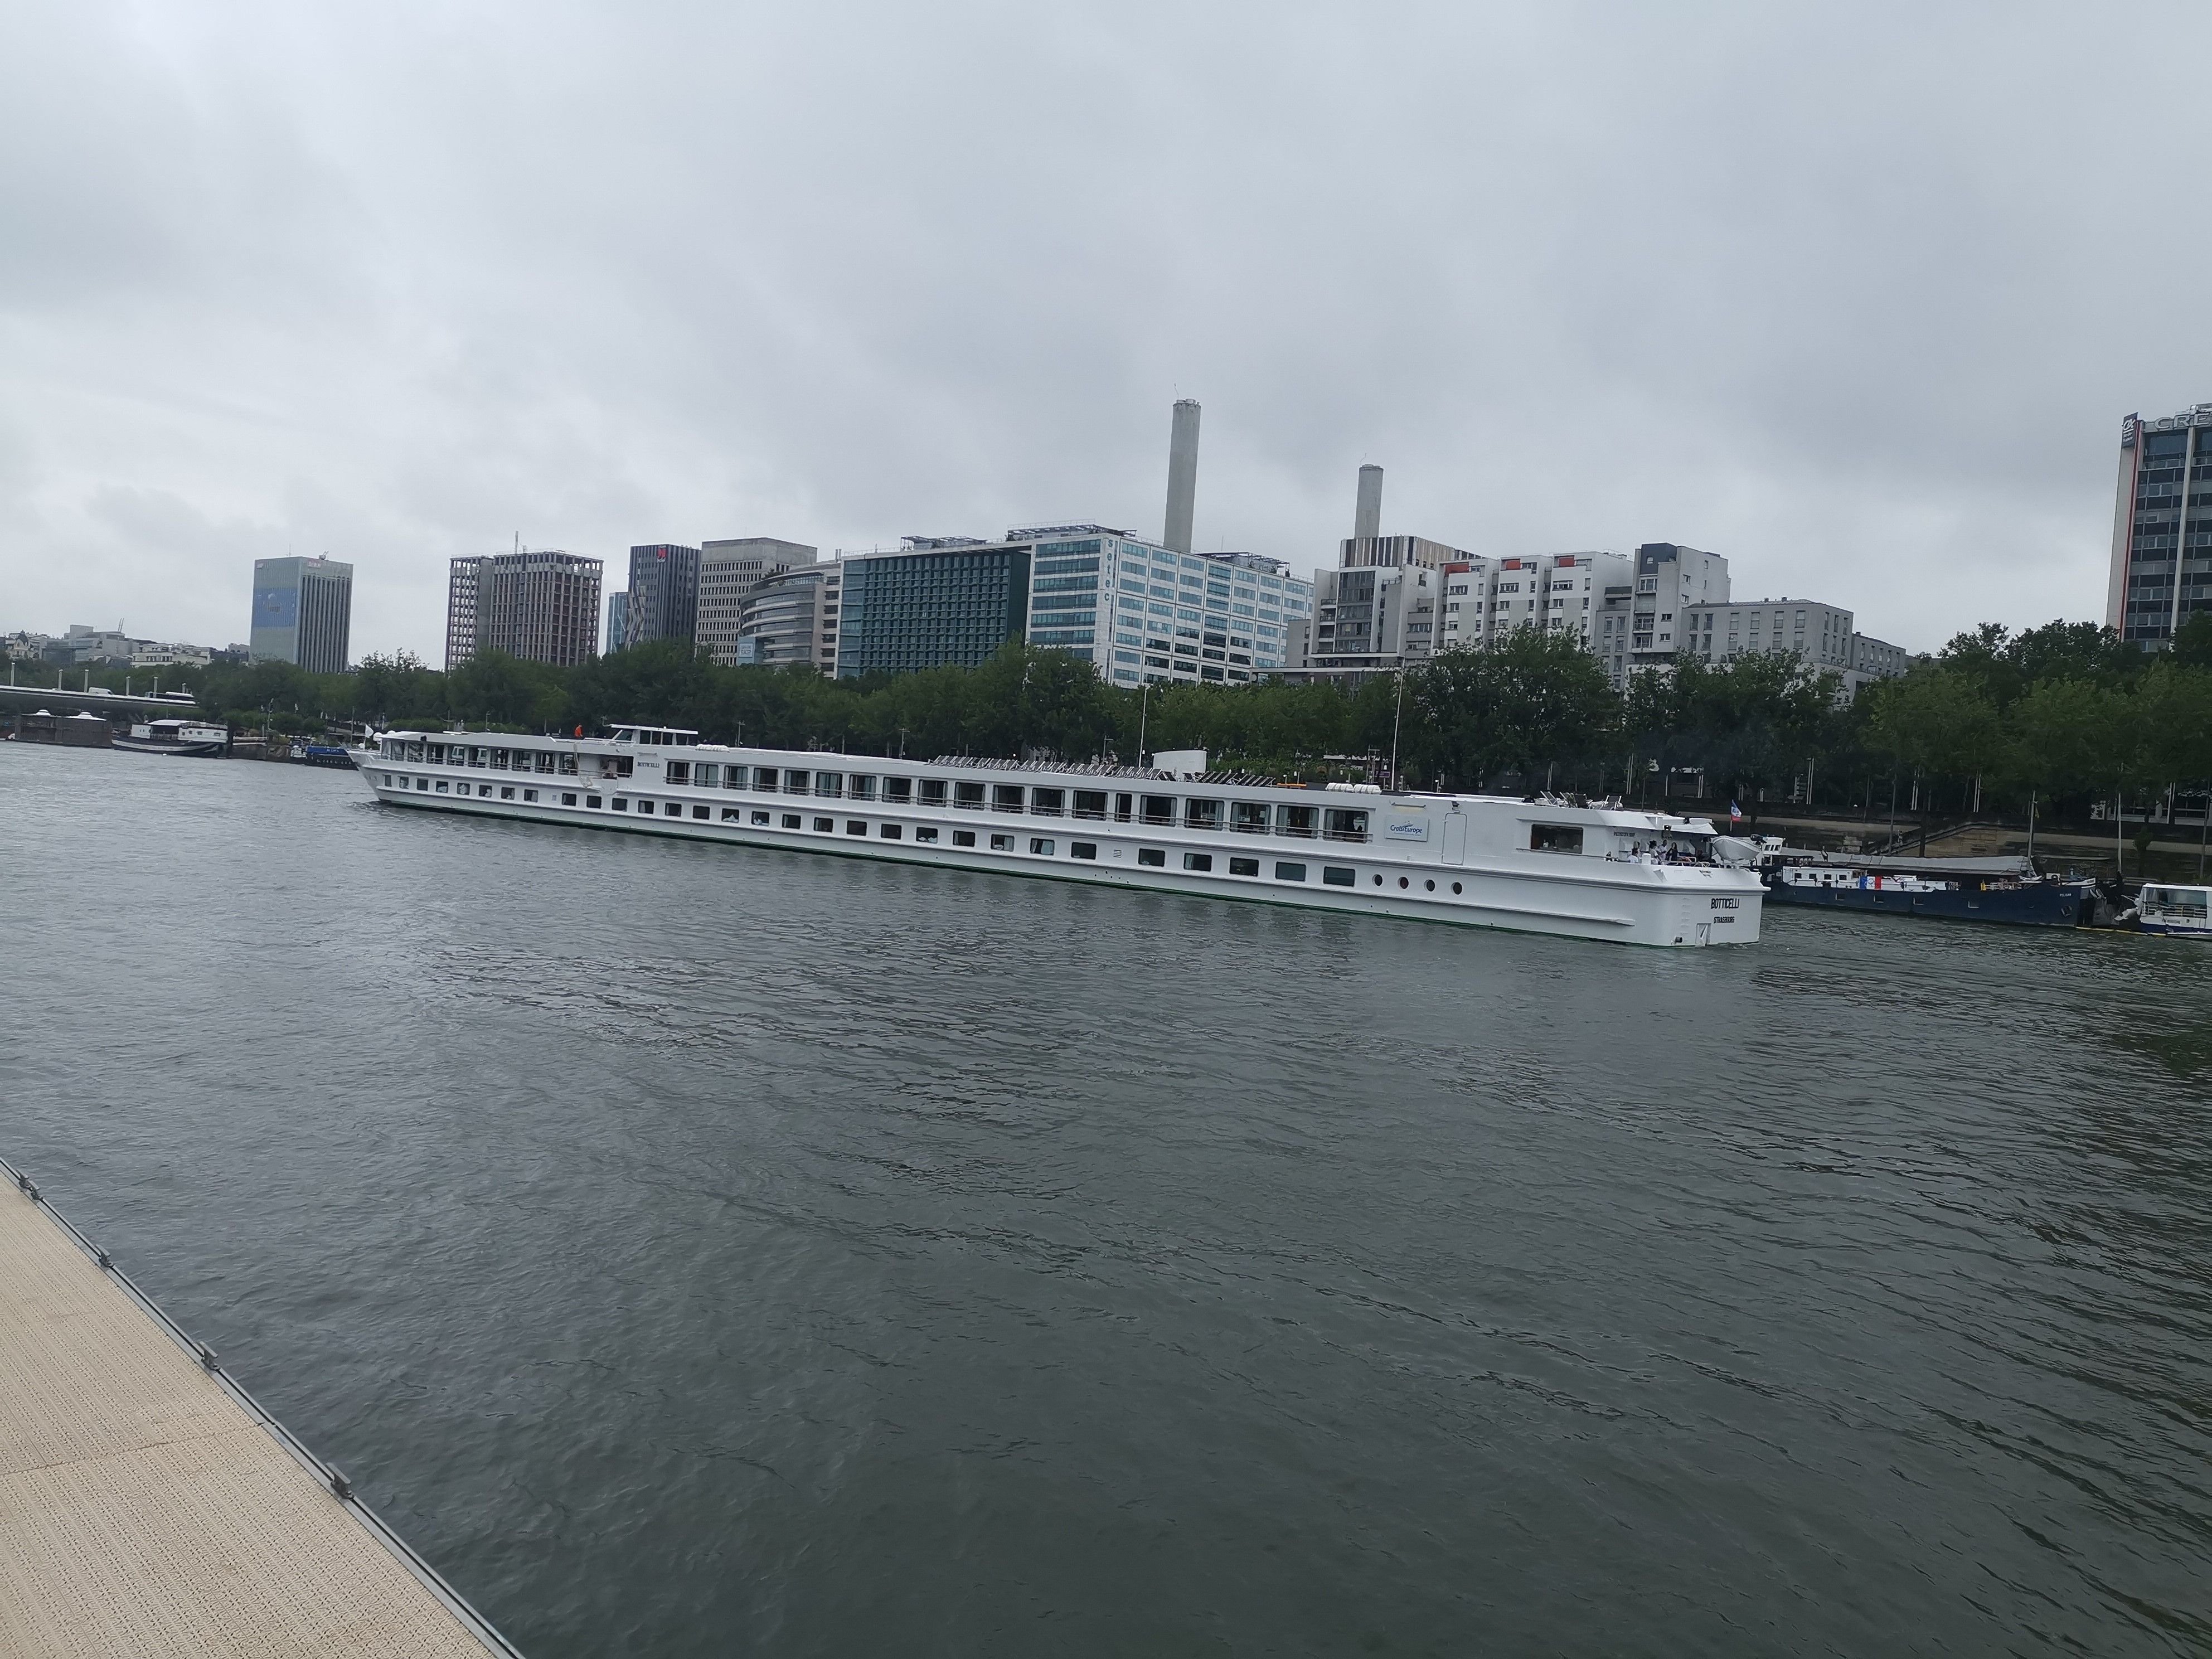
pixel 2184 912
pixel 176 737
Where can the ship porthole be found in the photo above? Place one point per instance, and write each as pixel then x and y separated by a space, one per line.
pixel 1431 885
pixel 1378 881
pixel 1402 882
pixel 1455 887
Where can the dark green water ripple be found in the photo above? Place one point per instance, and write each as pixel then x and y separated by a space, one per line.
pixel 700 1251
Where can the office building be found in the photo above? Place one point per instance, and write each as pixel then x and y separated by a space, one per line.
pixel 617 621
pixel 791 619
pixel 2161 562
pixel 664 594
pixel 728 572
pixel 1222 618
pixel 1135 611
pixel 939 601
pixel 302 613
pixel 539 606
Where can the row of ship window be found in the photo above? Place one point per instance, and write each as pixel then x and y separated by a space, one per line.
pixel 1250 817
pixel 1169 811
pixel 1154 858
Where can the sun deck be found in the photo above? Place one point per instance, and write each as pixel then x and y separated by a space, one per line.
pixel 148 1507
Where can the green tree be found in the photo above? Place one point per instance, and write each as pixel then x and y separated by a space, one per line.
pixel 2192 641
pixel 1535 702
pixel 1938 723
pixel 396 688
pixel 1750 722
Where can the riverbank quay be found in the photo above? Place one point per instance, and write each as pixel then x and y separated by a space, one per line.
pixel 2173 856
pixel 149 1506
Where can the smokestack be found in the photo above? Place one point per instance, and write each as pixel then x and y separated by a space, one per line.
pixel 1367 517
pixel 1183 474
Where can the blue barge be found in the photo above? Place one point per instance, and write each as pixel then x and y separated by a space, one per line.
pixel 2009 890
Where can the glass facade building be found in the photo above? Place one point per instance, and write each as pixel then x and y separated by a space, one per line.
pixel 2161 567
pixel 1135 611
pixel 931 605
pixel 302 613
pixel 664 594
pixel 1222 618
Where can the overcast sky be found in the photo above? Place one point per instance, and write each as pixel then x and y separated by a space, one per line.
pixel 1854 295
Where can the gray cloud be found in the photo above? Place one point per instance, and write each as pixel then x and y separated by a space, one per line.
pixel 1855 299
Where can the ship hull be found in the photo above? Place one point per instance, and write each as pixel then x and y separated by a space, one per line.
pixel 140 746
pixel 2043 905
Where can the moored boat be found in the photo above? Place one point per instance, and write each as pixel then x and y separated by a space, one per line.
pixel 1537 866
pixel 2180 912
pixel 2009 891
pixel 176 737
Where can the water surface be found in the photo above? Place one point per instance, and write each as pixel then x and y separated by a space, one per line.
pixel 696 1250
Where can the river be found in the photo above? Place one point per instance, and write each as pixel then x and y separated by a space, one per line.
pixel 699 1251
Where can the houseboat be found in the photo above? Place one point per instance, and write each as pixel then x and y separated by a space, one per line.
pixel 1999 889
pixel 176 737
pixel 1536 865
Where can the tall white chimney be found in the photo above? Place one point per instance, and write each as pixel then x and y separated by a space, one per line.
pixel 1367 517
pixel 1183 474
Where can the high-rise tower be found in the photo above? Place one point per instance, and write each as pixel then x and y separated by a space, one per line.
pixel 664 594
pixel 541 607
pixel 2161 568
pixel 302 613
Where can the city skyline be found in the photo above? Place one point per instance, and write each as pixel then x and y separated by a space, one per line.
pixel 1862 344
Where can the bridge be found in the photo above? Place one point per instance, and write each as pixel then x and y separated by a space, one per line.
pixel 99 700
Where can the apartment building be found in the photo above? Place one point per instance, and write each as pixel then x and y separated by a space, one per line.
pixel 542 606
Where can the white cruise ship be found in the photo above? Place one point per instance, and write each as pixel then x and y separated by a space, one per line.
pixel 1541 866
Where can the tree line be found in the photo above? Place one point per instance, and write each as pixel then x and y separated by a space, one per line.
pixel 2061 715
